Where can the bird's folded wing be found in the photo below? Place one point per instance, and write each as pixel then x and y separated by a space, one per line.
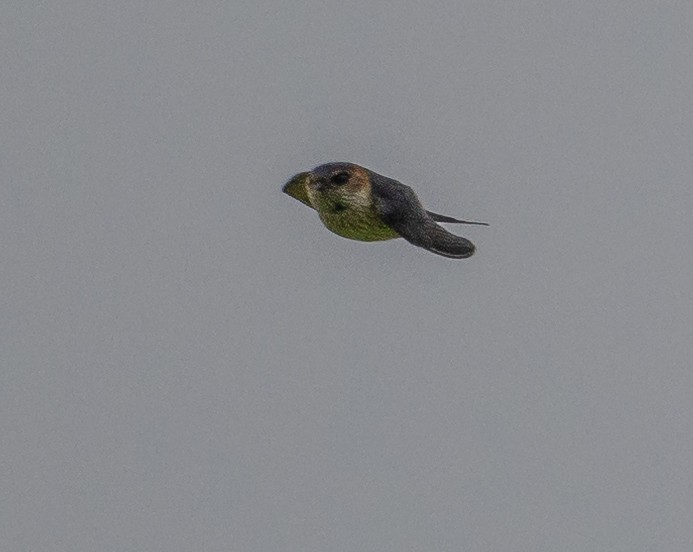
pixel 399 208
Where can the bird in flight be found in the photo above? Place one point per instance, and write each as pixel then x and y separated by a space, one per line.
pixel 359 204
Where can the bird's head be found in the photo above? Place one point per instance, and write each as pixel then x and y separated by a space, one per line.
pixel 331 185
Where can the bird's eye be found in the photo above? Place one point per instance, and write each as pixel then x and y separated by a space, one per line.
pixel 340 178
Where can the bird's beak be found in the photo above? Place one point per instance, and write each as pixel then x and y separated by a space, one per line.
pixel 297 187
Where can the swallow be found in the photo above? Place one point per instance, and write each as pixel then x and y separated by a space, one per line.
pixel 359 204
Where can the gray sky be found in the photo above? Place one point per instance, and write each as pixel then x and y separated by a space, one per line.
pixel 190 361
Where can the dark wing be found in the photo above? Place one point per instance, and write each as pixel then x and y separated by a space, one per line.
pixel 444 218
pixel 399 208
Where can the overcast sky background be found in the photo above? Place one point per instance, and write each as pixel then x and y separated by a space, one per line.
pixel 191 361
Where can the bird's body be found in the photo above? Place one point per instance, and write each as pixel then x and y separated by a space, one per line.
pixel 359 204
pixel 362 224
